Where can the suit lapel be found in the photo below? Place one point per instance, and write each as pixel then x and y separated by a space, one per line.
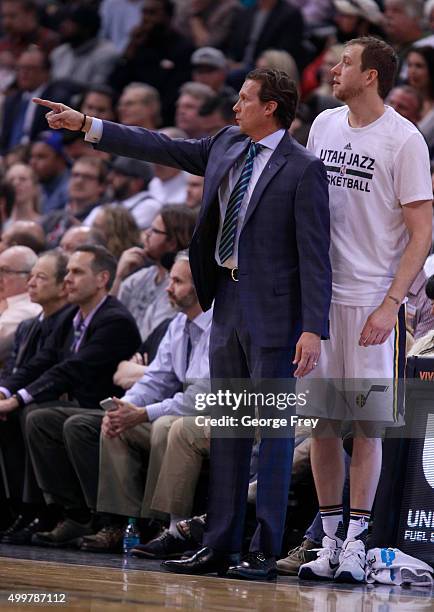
pixel 276 161
pixel 32 333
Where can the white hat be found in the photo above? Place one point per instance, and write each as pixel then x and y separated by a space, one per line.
pixel 368 9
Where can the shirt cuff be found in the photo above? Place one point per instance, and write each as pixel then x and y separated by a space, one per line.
pixel 27 398
pixel 95 133
pixel 154 411
pixel 5 392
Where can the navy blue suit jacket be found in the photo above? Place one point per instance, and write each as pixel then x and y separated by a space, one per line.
pixel 283 259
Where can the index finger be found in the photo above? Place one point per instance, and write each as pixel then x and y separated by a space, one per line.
pixel 53 105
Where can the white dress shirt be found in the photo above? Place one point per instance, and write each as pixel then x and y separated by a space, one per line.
pixel 269 144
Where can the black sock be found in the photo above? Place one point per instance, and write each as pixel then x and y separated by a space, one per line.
pixel 79 515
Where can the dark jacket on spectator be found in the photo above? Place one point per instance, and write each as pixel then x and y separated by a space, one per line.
pixel 163 62
pixel 31 337
pixel 87 375
pixel 283 29
pixel 61 91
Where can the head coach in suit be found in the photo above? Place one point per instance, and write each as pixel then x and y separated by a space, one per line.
pixel 260 250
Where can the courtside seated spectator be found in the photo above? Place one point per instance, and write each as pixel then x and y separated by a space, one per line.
pixel 141 423
pixel 47 288
pixel 78 360
pixel 16 264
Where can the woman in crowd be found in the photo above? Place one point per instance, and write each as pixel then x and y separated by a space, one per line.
pixel 420 75
pixel 118 228
pixel 27 194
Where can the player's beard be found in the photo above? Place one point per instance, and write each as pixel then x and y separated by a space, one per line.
pixel 349 93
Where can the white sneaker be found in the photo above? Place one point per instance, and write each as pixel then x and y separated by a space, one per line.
pixel 326 563
pixel 352 562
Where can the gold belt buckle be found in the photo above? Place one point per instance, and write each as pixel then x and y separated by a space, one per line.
pixel 234 274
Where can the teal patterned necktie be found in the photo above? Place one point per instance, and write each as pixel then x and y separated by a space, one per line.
pixel 230 223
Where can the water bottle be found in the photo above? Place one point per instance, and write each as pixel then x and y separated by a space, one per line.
pixel 131 536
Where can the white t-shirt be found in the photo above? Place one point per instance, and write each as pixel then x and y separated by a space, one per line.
pixel 373 171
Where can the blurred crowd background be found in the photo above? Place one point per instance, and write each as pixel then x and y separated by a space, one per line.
pixel 173 66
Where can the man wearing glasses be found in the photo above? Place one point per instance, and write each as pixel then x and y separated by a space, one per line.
pixel 85 191
pixel 15 305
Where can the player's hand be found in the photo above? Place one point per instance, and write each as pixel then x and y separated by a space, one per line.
pixel 307 352
pixel 379 324
pixel 60 115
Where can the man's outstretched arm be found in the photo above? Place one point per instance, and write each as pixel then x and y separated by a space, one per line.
pixel 140 143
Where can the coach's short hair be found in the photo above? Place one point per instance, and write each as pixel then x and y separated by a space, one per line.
pixel 277 86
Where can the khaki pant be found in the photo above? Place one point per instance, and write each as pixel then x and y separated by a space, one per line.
pixel 130 466
pixel 186 447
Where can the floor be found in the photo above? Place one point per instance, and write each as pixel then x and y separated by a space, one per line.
pixel 106 583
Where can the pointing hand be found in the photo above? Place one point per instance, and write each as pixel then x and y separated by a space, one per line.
pixel 61 116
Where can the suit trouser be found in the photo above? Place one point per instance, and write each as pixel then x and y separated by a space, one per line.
pixel 13 453
pixel 20 475
pixel 64 447
pixel 176 486
pixel 130 466
pixel 234 355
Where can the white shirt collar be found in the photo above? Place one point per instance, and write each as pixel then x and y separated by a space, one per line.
pixel 272 140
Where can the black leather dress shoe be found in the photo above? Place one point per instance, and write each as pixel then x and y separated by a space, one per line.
pixel 21 532
pixel 204 561
pixel 254 566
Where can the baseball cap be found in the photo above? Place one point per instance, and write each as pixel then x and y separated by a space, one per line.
pixel 208 56
pixel 133 167
pixel 367 9
pixel 53 140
